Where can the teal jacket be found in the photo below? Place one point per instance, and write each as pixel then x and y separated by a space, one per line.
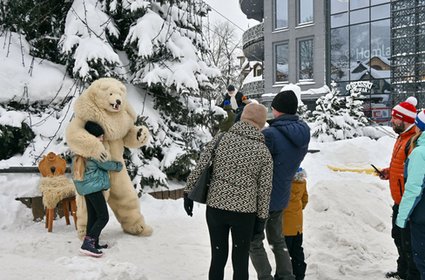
pixel 96 176
pixel 412 203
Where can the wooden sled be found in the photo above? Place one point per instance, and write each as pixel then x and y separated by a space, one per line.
pixel 369 171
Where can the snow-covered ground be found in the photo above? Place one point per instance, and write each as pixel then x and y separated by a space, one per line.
pixel 346 231
pixel 347 221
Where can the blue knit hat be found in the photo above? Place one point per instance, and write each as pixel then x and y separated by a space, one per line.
pixel 226 102
pixel 420 120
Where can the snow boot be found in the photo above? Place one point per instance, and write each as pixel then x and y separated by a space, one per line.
pixel 99 247
pixel 89 248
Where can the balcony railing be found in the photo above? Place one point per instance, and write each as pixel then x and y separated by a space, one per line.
pixel 253 89
pixel 253 8
pixel 253 43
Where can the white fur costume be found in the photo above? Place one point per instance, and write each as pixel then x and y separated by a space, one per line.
pixel 105 102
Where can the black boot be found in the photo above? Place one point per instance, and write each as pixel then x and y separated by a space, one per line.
pixel 98 246
pixel 393 274
pixel 88 248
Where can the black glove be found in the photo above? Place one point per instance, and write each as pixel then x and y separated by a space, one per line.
pixel 188 205
pixel 259 226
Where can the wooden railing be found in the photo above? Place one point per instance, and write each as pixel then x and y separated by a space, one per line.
pixel 168 194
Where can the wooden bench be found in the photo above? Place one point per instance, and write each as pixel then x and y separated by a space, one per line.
pixel 35 203
pixel 168 194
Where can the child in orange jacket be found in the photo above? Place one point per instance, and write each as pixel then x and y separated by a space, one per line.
pixel 292 224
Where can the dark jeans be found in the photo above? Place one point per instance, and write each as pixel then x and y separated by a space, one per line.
pixel 241 225
pixel 295 247
pixel 418 246
pixel 277 243
pixel 406 267
pixel 97 214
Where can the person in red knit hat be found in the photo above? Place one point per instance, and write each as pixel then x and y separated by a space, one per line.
pixel 402 122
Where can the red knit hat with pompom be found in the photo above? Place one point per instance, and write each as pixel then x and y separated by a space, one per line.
pixel 406 110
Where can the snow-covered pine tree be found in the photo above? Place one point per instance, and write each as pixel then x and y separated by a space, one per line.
pixel 40 22
pixel 329 122
pixel 354 112
pixel 86 42
pixel 304 112
pixel 167 54
pixel 360 124
pixel 37 25
pixel 158 47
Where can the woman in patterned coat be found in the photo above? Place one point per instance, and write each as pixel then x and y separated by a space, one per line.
pixel 239 192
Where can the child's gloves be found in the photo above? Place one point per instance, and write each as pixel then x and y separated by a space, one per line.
pixel 300 175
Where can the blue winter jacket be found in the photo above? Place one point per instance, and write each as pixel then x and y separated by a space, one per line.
pixel 287 138
pixel 96 176
pixel 412 205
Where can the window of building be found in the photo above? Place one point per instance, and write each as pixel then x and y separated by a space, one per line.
pixel 305 11
pixel 380 12
pixel 357 4
pixel 305 49
pixel 380 47
pixel 359 50
pixel 281 14
pixel 258 71
pixel 359 16
pixel 340 64
pixel 339 20
pixel 360 43
pixel 338 6
pixel 281 58
pixel 375 2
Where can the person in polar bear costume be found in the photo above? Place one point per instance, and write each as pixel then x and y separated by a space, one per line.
pixel 105 102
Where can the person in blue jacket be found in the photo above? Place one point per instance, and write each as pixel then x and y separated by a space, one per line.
pixel 412 205
pixel 287 139
pixel 90 178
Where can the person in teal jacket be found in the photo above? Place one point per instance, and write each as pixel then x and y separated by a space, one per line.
pixel 412 205
pixel 90 178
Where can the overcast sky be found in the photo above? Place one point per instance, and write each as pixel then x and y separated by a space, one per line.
pixel 232 11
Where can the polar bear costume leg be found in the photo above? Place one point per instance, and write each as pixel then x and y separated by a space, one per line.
pixel 124 200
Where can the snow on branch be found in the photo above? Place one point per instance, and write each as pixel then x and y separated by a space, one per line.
pixel 86 30
pixel 179 64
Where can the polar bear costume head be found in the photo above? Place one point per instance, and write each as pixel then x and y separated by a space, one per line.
pixel 105 102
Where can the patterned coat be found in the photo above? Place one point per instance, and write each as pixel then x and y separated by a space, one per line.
pixel 243 170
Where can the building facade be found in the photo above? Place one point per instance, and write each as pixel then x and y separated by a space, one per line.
pixel 408 50
pixel 312 42
pixel 359 48
pixel 289 40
